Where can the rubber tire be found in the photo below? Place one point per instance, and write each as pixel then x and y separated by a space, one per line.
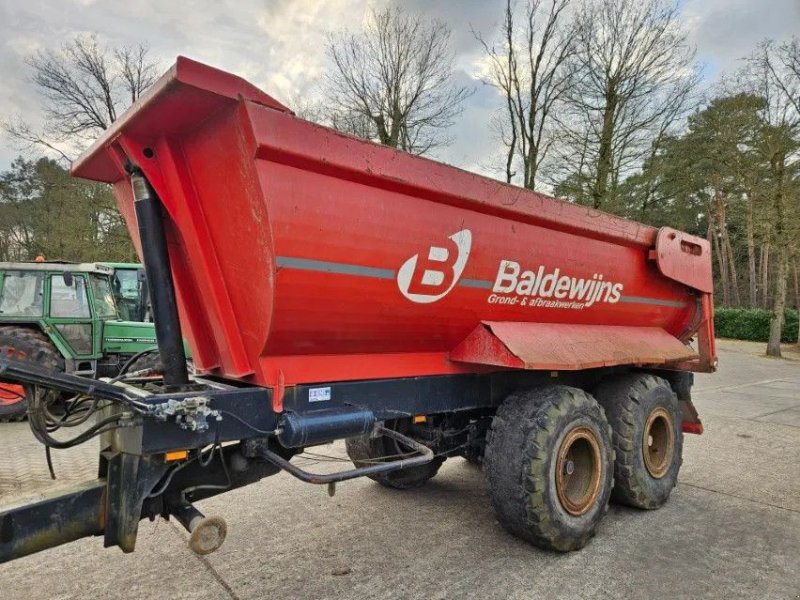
pixel 364 448
pixel 151 360
pixel 474 460
pixel 520 462
pixel 628 400
pixel 27 345
pixel 473 454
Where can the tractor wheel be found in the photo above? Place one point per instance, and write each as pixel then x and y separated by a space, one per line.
pixel 365 451
pixel 549 466
pixel 26 345
pixel 646 420
pixel 12 398
pixel 151 360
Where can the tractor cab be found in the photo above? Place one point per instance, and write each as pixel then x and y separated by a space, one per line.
pixel 129 286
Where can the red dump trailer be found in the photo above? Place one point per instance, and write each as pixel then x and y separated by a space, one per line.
pixel 331 288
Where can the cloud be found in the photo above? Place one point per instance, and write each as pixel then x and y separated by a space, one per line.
pixel 276 45
pixel 724 31
pixel 279 44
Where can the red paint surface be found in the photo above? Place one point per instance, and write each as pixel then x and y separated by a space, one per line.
pixel 557 346
pixel 244 182
pixel 684 258
pixel 11 393
pixel 693 428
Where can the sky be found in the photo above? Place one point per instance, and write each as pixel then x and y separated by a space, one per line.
pixel 279 45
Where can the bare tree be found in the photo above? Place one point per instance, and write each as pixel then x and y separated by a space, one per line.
pixel 84 87
pixel 356 123
pixel 393 81
pixel 304 107
pixel 635 74
pixel 782 64
pixel 529 68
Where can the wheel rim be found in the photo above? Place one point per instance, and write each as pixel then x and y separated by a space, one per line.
pixel 578 471
pixel 11 393
pixel 658 442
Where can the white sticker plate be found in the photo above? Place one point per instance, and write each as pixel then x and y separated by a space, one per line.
pixel 319 394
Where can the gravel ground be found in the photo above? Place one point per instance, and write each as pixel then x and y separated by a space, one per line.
pixel 730 530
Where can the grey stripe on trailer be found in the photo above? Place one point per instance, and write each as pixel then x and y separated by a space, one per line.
pixel 476 283
pixel 306 264
pixel 655 301
pixel 324 266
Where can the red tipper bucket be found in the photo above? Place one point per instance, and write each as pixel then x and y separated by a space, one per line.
pixel 303 255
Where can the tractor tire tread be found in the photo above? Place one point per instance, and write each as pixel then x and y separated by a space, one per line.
pixel 39 349
pixel 622 397
pixel 517 460
pixel 364 448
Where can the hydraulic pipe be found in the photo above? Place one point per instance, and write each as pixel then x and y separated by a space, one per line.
pixel 32 374
pixel 424 456
pixel 159 279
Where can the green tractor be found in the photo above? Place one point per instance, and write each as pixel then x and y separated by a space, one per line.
pixel 129 286
pixel 65 316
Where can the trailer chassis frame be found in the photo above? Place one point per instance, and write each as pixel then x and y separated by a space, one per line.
pixel 242 424
pixel 132 458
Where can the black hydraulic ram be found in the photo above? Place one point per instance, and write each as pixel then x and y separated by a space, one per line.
pixel 159 279
pixel 296 430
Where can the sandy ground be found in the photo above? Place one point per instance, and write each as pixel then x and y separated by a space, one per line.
pixel 730 530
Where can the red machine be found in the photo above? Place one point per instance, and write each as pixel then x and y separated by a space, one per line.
pixel 409 306
pixel 292 248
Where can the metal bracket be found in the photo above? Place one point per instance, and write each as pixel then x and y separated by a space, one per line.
pixel 191 413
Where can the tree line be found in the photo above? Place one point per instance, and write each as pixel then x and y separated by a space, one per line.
pixel 45 212
pixel 83 87
pixel 598 102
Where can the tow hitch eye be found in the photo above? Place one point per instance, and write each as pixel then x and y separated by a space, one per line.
pixel 207 533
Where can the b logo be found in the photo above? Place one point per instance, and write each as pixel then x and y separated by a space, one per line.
pixel 430 278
